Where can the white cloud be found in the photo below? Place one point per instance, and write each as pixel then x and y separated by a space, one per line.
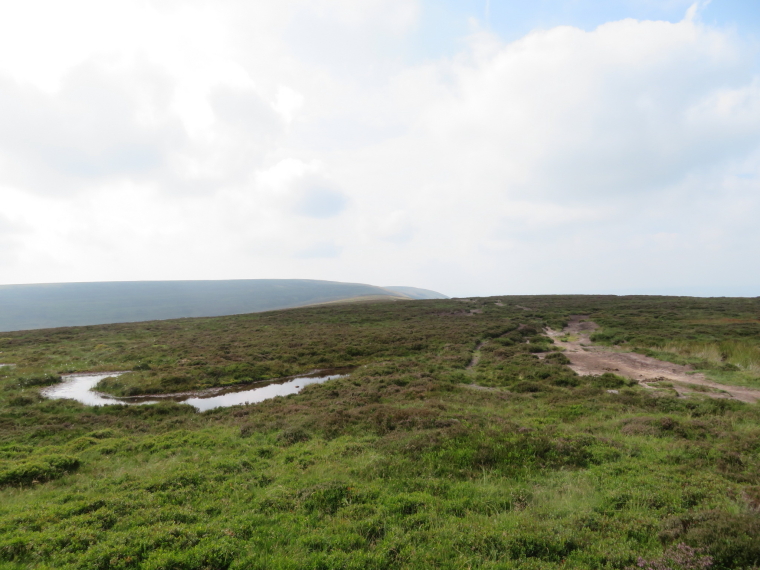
pixel 232 139
pixel 320 250
pixel 99 125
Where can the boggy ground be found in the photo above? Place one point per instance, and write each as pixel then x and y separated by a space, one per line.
pixel 400 465
pixel 589 359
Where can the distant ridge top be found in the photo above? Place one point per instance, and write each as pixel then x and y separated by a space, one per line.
pixel 50 305
pixel 416 292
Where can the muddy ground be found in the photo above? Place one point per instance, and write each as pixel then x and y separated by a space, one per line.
pixel 589 359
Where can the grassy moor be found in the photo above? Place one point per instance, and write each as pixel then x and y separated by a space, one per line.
pixel 463 437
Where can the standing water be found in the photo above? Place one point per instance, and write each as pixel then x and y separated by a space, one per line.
pixel 79 387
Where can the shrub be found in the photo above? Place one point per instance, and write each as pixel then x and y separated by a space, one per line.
pixel 679 557
pixel 557 358
pixel 20 401
pixel 208 555
pixel 528 387
pixel 473 452
pixel 566 381
pixel 293 435
pixel 610 337
pixel 609 380
pixel 39 380
pixel 327 499
pixel 731 539
pixel 39 470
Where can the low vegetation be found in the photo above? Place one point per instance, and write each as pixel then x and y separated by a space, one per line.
pixel 728 355
pixel 419 459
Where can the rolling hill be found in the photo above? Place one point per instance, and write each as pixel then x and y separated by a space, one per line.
pixel 416 292
pixel 38 306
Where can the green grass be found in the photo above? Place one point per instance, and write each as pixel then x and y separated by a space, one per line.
pixel 400 465
pixel 743 355
pixel 569 338
pixel 718 370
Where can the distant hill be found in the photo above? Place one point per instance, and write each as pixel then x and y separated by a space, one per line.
pixel 73 304
pixel 416 293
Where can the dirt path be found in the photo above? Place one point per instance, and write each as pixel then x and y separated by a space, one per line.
pixel 586 359
pixel 476 355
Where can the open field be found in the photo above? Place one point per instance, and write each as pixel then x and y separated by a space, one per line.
pixel 431 454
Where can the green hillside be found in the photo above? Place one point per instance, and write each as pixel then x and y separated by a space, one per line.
pixel 462 439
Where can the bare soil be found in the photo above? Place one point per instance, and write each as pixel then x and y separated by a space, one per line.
pixel 588 359
pixel 476 355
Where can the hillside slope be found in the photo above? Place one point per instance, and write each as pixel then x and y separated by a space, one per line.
pixel 74 304
pixel 453 434
pixel 416 292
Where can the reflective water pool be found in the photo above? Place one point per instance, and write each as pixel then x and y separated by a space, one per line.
pixel 79 387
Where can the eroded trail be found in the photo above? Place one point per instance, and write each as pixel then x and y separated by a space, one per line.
pixel 476 355
pixel 587 359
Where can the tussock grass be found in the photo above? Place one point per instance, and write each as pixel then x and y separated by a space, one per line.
pixel 742 354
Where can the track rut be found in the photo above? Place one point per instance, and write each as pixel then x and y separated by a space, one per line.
pixel 588 359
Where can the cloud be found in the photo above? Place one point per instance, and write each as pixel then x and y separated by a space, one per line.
pixel 320 251
pixel 629 107
pixel 10 240
pixel 397 227
pixel 247 111
pixel 100 125
pixel 221 142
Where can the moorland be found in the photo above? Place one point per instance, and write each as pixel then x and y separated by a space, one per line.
pixel 463 438
pixel 47 305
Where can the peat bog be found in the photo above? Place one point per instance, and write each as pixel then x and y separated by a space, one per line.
pixel 401 463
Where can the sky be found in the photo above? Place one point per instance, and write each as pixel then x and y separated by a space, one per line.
pixel 471 147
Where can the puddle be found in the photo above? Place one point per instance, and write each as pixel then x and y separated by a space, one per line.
pixel 79 387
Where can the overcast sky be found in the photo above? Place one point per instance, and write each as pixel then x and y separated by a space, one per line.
pixel 471 147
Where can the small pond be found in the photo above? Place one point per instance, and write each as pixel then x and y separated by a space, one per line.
pixel 79 387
